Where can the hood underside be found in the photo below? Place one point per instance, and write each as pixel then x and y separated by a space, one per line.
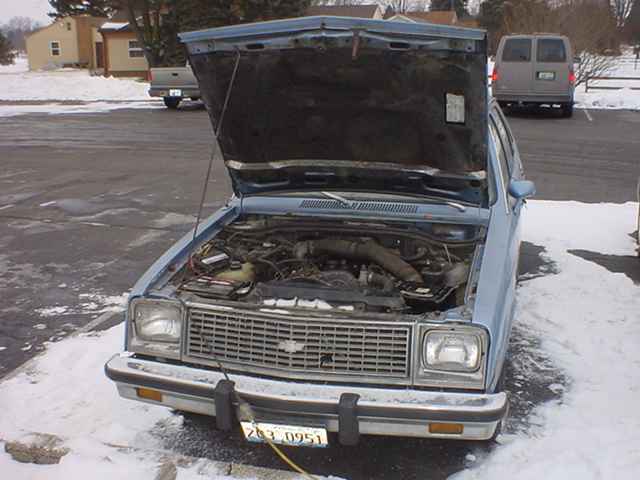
pixel 342 99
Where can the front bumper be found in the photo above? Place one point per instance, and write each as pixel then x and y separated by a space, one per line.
pixel 376 411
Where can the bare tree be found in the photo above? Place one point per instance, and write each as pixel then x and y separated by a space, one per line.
pixel 16 30
pixel 621 10
pixel 404 6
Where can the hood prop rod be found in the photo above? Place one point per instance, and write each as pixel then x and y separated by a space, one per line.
pixel 213 149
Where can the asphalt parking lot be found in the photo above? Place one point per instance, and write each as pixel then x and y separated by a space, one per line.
pixel 88 201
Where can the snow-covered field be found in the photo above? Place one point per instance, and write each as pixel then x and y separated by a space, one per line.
pixel 45 91
pixel 614 99
pixel 586 317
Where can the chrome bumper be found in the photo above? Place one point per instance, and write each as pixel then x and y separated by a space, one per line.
pixel 514 97
pixel 377 411
pixel 164 92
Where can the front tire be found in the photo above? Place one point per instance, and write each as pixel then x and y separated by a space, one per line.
pixel 567 110
pixel 172 102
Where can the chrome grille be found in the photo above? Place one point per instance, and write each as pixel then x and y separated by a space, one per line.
pixel 292 344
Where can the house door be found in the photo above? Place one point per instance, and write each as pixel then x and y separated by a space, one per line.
pixel 99 55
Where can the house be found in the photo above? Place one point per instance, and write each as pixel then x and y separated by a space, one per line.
pixel 441 17
pixel 123 54
pixel 71 41
pixel 372 11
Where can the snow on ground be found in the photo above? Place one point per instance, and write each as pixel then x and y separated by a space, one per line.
pixel 586 317
pixel 20 88
pixel 614 99
pixel 18 83
pixel 58 108
pixel 589 322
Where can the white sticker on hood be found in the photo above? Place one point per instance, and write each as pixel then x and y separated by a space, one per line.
pixel 455 108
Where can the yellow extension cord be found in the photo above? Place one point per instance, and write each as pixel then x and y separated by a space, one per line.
pixel 247 412
pixel 284 456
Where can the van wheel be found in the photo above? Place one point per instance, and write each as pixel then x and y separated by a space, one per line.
pixel 504 106
pixel 567 110
pixel 172 102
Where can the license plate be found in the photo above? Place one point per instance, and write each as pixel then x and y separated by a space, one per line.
pixel 175 92
pixel 286 434
pixel 546 75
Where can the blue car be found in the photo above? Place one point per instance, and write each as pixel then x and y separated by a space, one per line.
pixel 361 280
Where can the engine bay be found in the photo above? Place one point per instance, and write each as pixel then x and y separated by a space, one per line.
pixel 325 265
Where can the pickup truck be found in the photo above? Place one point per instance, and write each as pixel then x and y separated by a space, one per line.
pixel 173 84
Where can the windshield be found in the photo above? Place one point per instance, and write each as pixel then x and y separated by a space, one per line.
pixel 393 108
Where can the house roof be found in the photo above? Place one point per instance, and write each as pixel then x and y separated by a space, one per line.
pixel 115 26
pixel 440 17
pixel 359 11
pixel 60 19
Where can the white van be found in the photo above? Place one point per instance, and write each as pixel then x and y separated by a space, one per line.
pixel 534 70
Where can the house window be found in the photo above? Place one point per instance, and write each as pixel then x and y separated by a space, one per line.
pixel 54 47
pixel 135 51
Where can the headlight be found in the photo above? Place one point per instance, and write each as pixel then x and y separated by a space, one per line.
pixel 452 351
pixel 157 320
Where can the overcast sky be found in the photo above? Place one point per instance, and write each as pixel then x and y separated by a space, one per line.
pixel 36 9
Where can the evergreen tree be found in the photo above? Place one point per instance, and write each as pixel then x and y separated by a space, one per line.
pixel 97 8
pixel 460 6
pixel 491 17
pixel 6 51
pixel 187 15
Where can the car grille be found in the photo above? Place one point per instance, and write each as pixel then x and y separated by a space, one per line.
pixel 293 344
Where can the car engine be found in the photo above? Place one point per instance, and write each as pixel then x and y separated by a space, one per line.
pixel 324 265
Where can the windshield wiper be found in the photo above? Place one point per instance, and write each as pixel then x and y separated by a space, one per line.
pixel 338 198
pixel 347 203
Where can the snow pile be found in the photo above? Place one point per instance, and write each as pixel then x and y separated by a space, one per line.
pixel 20 65
pixel 608 99
pixel 588 321
pixel 66 84
pixel 67 394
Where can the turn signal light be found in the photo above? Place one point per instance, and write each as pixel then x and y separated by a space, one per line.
pixel 149 394
pixel 494 75
pixel 446 428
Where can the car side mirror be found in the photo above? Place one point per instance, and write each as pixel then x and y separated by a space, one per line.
pixel 522 189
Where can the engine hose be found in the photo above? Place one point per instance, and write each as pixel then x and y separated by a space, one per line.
pixel 369 250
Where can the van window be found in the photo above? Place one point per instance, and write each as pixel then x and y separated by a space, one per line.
pixel 551 50
pixel 517 50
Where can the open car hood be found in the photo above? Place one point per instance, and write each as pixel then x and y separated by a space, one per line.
pixel 350 104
